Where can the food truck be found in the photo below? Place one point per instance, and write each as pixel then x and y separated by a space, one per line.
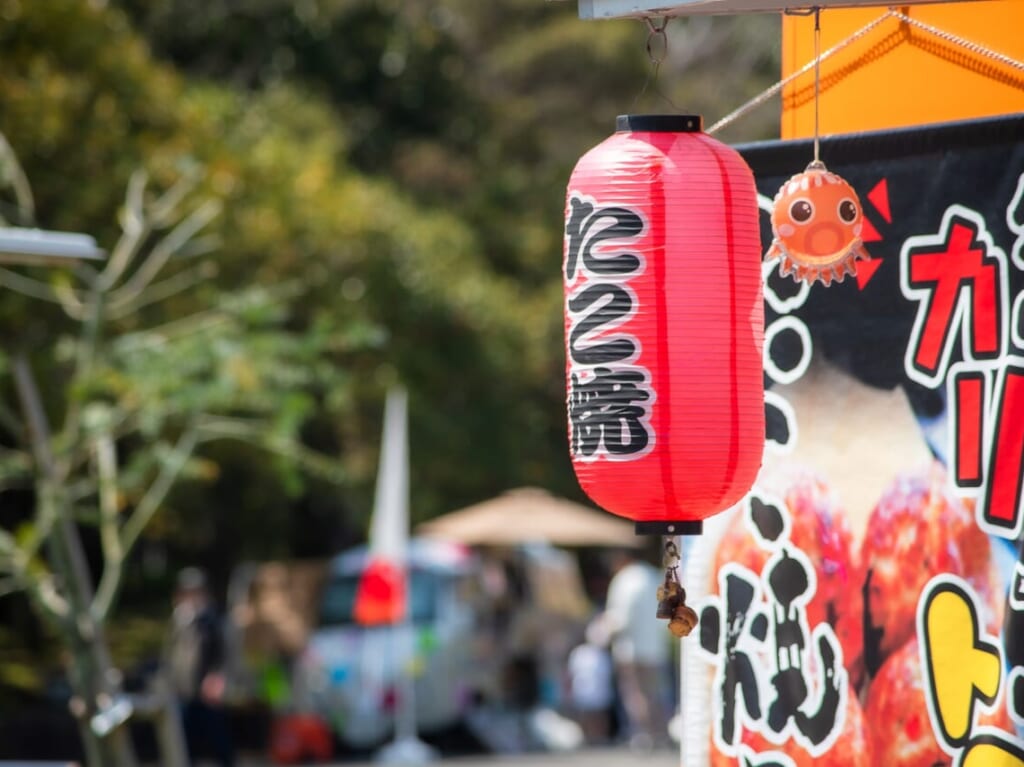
pixel 484 628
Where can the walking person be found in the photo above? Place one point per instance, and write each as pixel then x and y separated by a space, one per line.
pixel 640 649
pixel 591 683
pixel 194 661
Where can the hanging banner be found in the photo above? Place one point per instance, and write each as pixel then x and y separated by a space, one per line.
pixel 864 604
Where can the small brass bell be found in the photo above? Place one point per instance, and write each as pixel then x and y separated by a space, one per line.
pixel 672 596
pixel 683 621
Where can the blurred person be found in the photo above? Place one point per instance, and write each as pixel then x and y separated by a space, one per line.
pixel 194 662
pixel 591 682
pixel 640 649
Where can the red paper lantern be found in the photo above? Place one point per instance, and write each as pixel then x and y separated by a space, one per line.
pixel 664 323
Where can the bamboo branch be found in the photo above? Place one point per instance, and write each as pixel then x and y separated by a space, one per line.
pixel 37 431
pixel 28 286
pixel 70 301
pixel 15 560
pixel 49 507
pixel 156 493
pixel 134 219
pixel 85 355
pixel 14 174
pixel 179 328
pixel 159 291
pixel 167 247
pixel 200 246
pixel 62 294
pixel 106 469
pixel 46 518
pixel 134 229
pixel 255 433
pixel 85 272
pixel 165 208
pixel 201 321
pixel 110 539
pixel 48 598
pixel 72 459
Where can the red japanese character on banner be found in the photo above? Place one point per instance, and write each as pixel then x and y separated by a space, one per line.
pixel 959 279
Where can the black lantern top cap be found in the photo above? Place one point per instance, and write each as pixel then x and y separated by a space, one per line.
pixel 660 123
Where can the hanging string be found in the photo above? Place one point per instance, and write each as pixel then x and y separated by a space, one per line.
pixel 657 51
pixel 817 87
pixel 767 94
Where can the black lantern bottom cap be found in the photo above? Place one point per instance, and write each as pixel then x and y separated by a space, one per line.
pixel 661 527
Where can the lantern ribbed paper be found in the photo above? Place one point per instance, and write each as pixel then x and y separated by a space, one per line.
pixel 664 322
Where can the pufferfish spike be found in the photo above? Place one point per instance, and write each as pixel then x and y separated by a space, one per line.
pixel 816 225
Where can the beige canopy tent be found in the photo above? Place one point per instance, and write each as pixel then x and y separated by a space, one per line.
pixel 529 515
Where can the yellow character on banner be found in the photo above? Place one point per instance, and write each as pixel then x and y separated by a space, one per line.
pixel 963 668
pixel 987 751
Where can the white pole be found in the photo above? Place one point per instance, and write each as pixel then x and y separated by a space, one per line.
pixel 390 532
pixel 681 729
pixel 697 704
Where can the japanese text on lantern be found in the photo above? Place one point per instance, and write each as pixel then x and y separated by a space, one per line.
pixel 967 334
pixel 610 393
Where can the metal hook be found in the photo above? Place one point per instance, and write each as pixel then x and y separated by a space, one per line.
pixel 657 52
pixel 656 33
pixel 653 25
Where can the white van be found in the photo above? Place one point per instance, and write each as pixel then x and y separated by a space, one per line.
pixel 349 674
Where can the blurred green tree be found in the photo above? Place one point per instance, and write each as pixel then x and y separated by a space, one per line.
pixel 477 111
pixel 134 406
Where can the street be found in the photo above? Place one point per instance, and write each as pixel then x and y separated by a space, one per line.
pixel 596 757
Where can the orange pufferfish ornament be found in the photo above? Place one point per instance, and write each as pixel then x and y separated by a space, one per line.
pixel 816 224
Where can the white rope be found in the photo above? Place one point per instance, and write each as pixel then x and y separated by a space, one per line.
pixel 963 42
pixel 768 93
pixel 892 13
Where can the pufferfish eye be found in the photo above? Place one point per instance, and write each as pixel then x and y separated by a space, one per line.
pixel 848 210
pixel 801 211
